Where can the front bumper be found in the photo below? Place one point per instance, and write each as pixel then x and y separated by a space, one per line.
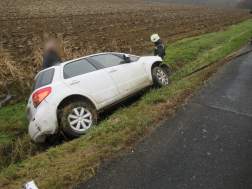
pixel 45 122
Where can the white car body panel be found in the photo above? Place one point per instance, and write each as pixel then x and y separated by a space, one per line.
pixel 45 122
pixel 97 84
pixel 103 88
pixel 148 62
pixel 128 76
pixel 122 96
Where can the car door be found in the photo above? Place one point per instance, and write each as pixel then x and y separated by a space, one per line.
pixel 127 76
pixel 82 76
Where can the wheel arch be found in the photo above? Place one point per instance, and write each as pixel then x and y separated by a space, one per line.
pixel 63 119
pixel 156 64
pixel 164 66
pixel 74 98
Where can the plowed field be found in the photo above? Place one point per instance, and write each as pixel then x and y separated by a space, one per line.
pixel 110 25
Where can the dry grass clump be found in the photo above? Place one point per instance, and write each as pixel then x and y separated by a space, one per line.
pixel 12 74
pixel 17 151
pixel 68 50
pixel 16 77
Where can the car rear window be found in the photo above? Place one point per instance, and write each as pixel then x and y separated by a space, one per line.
pixel 44 78
pixel 78 67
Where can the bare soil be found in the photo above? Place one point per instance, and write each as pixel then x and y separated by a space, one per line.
pixel 111 25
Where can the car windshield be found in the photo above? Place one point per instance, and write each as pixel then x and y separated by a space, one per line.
pixel 108 60
pixel 44 78
pixel 134 58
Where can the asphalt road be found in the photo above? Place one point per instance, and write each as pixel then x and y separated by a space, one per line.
pixel 207 144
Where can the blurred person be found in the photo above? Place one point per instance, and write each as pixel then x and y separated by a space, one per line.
pixel 159 49
pixel 51 56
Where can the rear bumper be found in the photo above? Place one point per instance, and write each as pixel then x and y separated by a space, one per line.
pixel 45 122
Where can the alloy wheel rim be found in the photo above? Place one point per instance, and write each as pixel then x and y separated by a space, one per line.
pixel 162 77
pixel 80 119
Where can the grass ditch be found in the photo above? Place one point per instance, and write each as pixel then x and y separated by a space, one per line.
pixel 76 161
pixel 15 78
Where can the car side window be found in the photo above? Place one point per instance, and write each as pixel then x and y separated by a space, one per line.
pixel 77 67
pixel 108 60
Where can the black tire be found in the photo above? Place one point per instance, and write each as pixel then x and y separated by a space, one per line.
pixel 160 77
pixel 69 112
pixel 167 69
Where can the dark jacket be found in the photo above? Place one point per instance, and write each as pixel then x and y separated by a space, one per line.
pixel 251 11
pixel 159 49
pixel 50 58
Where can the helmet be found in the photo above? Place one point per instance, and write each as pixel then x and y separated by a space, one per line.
pixel 154 38
pixel 30 185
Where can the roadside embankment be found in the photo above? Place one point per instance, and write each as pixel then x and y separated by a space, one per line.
pixel 78 160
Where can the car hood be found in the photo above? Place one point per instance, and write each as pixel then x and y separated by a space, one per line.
pixel 151 58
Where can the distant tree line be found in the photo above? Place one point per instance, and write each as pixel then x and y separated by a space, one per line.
pixel 246 4
pixel 212 3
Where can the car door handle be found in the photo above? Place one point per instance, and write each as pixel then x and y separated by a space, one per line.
pixel 111 71
pixel 74 82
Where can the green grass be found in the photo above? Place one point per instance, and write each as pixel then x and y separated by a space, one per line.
pixel 64 165
pixel 207 48
pixel 15 144
pixel 13 122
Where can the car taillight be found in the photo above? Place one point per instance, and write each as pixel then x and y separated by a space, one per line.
pixel 40 95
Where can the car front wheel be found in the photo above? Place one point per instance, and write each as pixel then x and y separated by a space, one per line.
pixel 77 118
pixel 160 77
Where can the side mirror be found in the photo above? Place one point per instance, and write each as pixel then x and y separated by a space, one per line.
pixel 126 58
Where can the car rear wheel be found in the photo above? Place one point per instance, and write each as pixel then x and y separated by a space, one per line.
pixel 160 77
pixel 78 118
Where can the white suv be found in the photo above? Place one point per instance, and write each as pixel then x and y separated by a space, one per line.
pixel 68 97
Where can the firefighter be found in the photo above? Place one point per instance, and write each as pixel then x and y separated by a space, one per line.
pixel 159 46
pixel 51 56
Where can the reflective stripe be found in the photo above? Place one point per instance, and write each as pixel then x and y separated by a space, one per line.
pixel 159 45
pixel 162 47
